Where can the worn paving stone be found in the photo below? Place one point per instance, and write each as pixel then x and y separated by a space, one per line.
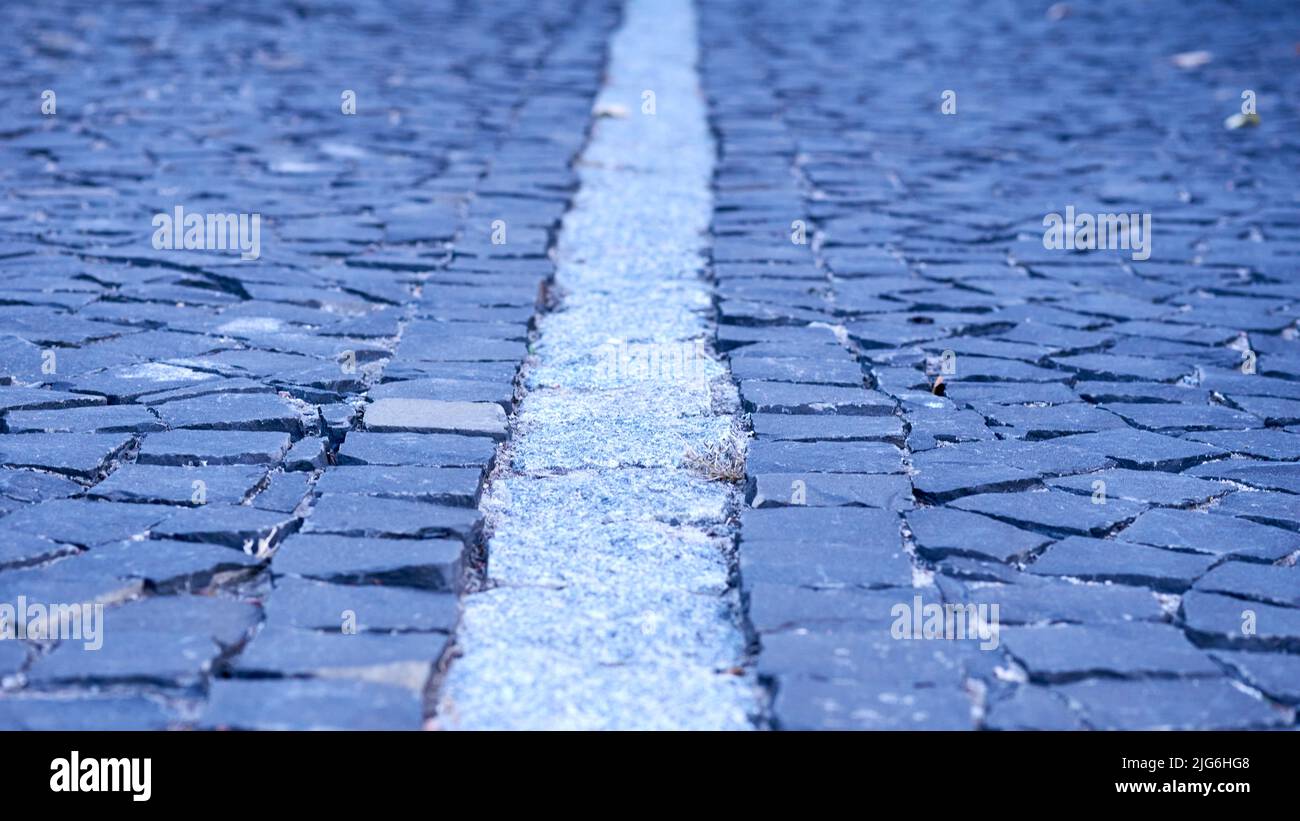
pixel 435 416
pixel 192 447
pixel 1144 486
pixel 1037 601
pixel 448 486
pixel 432 450
pixel 1104 560
pixel 232 411
pixel 941 532
pixel 1275 674
pixel 829 490
pixel 226 484
pixel 283 492
pixel 1272 584
pixel 786 427
pixel 1067 652
pixel 17 550
pixel 433 564
pixel 169 566
pixel 1032 708
pixel 1228 622
pixel 90 419
pixel 97 712
pixel 316 605
pixel 399 659
pixel 239 526
pixel 1053 511
pixel 84 522
pixel 368 516
pixel 823 457
pixel 80 455
pixel 310 704
pixel 804 704
pixel 1208 533
pixel 1183 704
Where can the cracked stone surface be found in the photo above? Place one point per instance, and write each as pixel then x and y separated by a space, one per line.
pixel 173 420
pixel 452 450
pixel 1110 459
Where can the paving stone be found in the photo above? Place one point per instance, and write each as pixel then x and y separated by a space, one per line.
pixel 34 399
pixel 1120 368
pixel 450 390
pixel 233 411
pixel 128 657
pixel 807 371
pixel 1053 511
pixel 823 457
pixel 90 419
pixel 1068 652
pixel 13 657
pixel 401 659
pixel 284 492
pixel 434 416
pixel 942 532
pixel 774 606
pixel 803 704
pixel 1264 506
pixel 426 450
pixel 1183 704
pixel 352 515
pixel 1031 708
pixel 304 603
pixel 1227 622
pixel 829 490
pixel 1277 675
pixel 17 550
pixel 1271 584
pixel 1145 486
pixel 310 704
pixel 1031 600
pixel 433 564
pixel 1179 418
pixel 307 454
pixel 447 486
pixel 1266 476
pixel 1143 450
pixel 1206 533
pixel 97 712
pixel 26 486
pixel 239 526
pixel 1109 560
pixel 169 566
pixel 798 398
pixel 1264 444
pixel 84 522
pixel 226 484
pixel 81 455
pixel 193 447
pixel 804 428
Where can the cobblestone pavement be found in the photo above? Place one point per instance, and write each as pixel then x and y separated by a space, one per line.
pixel 1100 464
pixel 263 451
pixel 183 430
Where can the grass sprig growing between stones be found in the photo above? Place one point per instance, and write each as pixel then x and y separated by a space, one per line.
pixel 722 460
